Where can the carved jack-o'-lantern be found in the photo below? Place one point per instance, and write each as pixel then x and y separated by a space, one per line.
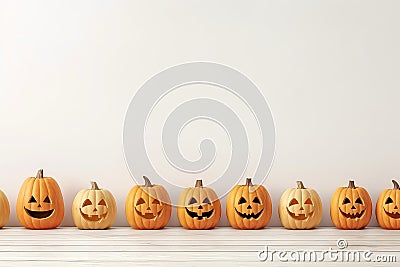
pixel 148 206
pixel 388 208
pixel 300 208
pixel 248 206
pixel 199 207
pixel 94 208
pixel 351 207
pixel 4 209
pixel 40 203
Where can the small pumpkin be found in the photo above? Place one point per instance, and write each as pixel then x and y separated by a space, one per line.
pixel 40 203
pixel 388 208
pixel 94 208
pixel 4 209
pixel 300 208
pixel 199 207
pixel 351 207
pixel 248 206
pixel 148 206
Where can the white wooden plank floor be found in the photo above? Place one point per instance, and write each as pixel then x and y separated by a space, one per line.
pixel 179 247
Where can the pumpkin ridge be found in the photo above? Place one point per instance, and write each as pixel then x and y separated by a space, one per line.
pixel 153 223
pixel 240 194
pixel 268 208
pixel 36 184
pixel 128 204
pixel 140 194
pixel 231 200
pixel 4 208
pixel 246 194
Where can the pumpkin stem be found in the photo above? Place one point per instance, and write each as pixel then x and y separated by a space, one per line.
pixel 396 185
pixel 351 184
pixel 94 186
pixel 300 185
pixel 248 182
pixel 39 174
pixel 147 182
pixel 199 183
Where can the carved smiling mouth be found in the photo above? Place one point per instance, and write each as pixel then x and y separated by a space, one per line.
pixel 148 215
pixel 193 214
pixel 249 215
pixel 352 216
pixel 394 215
pixel 93 218
pixel 300 216
pixel 39 214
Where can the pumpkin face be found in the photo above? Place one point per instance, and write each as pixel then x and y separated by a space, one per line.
pixel 94 208
pixel 199 207
pixel 40 203
pixel 387 208
pixel 351 207
pixel 148 206
pixel 300 208
pixel 248 206
pixel 4 209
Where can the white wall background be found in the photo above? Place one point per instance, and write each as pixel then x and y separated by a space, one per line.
pixel 329 69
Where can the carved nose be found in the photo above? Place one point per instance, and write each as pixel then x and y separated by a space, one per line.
pixel 353 208
pixel 200 207
pixel 301 208
pixel 39 206
pixel 94 209
pixel 249 207
pixel 148 208
pixel 395 207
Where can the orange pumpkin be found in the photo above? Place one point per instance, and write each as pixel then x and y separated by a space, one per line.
pixel 40 203
pixel 351 207
pixel 248 206
pixel 4 209
pixel 388 208
pixel 148 206
pixel 199 207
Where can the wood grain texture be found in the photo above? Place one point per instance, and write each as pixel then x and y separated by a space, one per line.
pixel 221 246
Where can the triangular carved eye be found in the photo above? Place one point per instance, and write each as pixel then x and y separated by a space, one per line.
pixel 308 201
pixel 47 200
pixel 192 201
pixel 87 202
pixel 293 202
pixel 242 200
pixel 32 200
pixel 206 201
pixel 140 201
pixel 156 201
pixel 359 201
pixel 346 201
pixel 389 200
pixel 257 200
pixel 102 203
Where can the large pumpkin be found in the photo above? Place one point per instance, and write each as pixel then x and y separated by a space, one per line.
pixel 351 207
pixel 248 206
pixel 199 207
pixel 388 208
pixel 4 209
pixel 148 206
pixel 300 208
pixel 40 203
pixel 94 208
